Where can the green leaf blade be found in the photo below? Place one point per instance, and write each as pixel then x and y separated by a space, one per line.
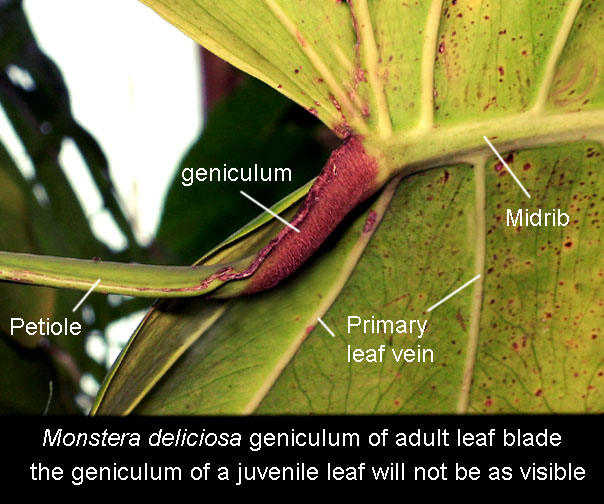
pixel 516 340
pixel 244 355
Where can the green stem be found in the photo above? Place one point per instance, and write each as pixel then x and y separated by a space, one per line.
pixel 116 278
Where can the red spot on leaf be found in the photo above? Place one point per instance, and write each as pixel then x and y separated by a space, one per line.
pixel 370 222
pixel 335 103
pixel 300 39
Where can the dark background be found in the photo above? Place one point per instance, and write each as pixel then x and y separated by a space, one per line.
pixel 581 445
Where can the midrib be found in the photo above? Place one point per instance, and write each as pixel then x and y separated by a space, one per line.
pixel 417 150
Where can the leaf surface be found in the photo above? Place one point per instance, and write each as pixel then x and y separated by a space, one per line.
pixel 422 83
pixel 149 354
pixel 525 338
pixel 202 323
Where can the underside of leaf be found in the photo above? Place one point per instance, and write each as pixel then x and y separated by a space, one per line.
pixel 409 86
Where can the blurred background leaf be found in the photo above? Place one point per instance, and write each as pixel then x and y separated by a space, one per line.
pixel 41 214
pixel 247 122
pixel 252 125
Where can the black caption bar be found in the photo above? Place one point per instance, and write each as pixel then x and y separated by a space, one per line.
pixel 230 453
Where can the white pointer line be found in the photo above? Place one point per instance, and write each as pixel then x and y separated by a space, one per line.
pixel 86 295
pixel 506 166
pixel 269 211
pixel 454 292
pixel 325 326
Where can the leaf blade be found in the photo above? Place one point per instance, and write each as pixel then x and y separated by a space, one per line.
pixel 327 278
